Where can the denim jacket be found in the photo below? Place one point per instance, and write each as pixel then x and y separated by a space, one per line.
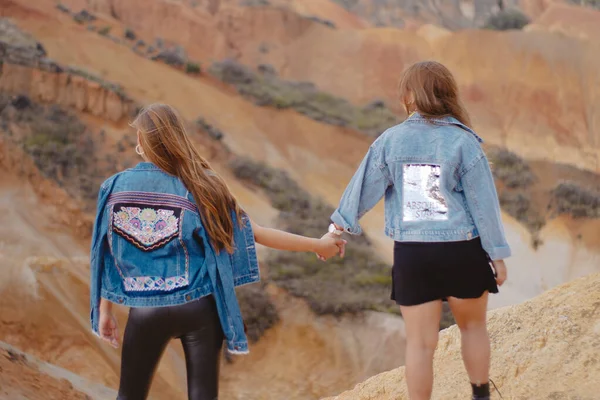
pixel 149 249
pixel 437 184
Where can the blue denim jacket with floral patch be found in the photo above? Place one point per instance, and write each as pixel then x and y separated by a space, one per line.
pixel 437 184
pixel 149 249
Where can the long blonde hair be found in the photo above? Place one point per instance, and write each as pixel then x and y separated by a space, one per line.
pixel 165 143
pixel 435 91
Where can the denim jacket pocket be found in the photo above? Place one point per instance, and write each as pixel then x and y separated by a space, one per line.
pixel 152 225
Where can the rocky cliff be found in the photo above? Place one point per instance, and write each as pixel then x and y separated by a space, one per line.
pixel 25 69
pixel 534 92
pixel 545 348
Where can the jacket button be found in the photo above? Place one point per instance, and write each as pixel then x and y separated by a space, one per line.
pixel 188 297
pixel 121 301
pixel 236 348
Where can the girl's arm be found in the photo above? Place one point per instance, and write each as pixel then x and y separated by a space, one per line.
pixel 367 187
pixel 326 247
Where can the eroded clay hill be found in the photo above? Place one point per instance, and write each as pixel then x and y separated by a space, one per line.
pixel 545 348
pixel 534 92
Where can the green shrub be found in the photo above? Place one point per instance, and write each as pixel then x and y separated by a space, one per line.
pixel 507 20
pixel 587 3
pixel 61 146
pixel 174 56
pixel 322 21
pixel 104 31
pixel 258 310
pixel 129 34
pixel 356 283
pixel 579 202
pixel 266 89
pixel 213 132
pixel 512 170
pixel 192 68
pixel 519 206
pixel 83 17
pixel 62 8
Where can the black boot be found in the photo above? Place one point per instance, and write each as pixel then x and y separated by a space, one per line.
pixel 481 392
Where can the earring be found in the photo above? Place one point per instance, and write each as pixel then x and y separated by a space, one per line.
pixel 138 150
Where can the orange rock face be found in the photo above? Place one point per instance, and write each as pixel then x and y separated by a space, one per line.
pixel 66 90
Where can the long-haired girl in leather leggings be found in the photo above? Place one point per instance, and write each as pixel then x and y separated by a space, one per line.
pixel 171 242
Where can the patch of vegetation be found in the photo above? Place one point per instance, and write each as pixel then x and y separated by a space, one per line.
pixel 586 3
pixel 84 16
pixel 517 177
pixel 61 146
pixel 175 56
pixel 104 31
pixel 304 97
pixel 263 48
pixel 267 69
pixel 509 19
pixel 129 34
pixel 356 283
pixel 518 205
pixel 510 169
pixel 62 8
pixel 192 68
pixel 213 132
pixel 572 199
pixel 258 310
pixel 347 4
pixel 255 3
pixel 322 21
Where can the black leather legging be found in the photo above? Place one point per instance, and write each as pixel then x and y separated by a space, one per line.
pixel 147 334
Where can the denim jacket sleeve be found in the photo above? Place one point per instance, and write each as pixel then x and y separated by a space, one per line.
pixel 482 200
pixel 99 247
pixel 367 187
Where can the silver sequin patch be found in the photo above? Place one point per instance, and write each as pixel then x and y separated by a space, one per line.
pixel 422 197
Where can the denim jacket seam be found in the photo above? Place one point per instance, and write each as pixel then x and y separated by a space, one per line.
pixel 483 231
pixel 471 165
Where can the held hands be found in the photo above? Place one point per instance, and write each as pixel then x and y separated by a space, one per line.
pixel 501 272
pixel 109 331
pixel 330 245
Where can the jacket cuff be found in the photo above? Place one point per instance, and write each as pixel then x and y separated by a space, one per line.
pixel 500 253
pixel 238 348
pixel 94 319
pixel 337 219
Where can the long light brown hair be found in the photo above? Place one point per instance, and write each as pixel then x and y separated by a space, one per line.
pixel 434 91
pixel 166 143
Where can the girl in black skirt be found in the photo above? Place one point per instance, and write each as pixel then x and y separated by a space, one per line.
pixel 442 211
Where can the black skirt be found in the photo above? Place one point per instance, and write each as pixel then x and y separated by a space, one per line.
pixel 425 272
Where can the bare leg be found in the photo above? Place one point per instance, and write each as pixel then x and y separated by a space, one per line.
pixel 422 327
pixel 470 315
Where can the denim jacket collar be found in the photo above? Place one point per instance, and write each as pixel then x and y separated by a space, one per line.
pixel 448 120
pixel 145 165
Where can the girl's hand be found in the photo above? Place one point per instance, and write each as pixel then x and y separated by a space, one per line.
pixel 501 273
pixel 109 331
pixel 330 245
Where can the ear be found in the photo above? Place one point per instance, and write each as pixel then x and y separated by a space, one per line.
pixel 138 137
pixel 410 97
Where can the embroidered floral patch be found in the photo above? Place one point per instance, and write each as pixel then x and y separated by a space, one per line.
pixel 152 283
pixel 147 228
